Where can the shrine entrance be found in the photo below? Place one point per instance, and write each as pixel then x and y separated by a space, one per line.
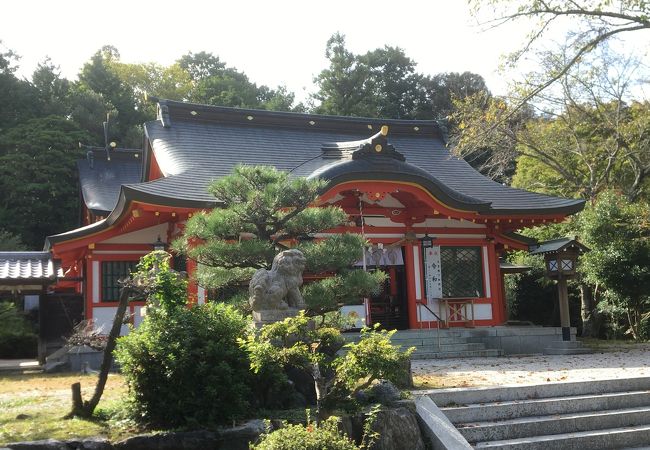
pixel 389 307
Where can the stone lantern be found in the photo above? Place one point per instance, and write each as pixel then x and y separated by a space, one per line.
pixel 561 259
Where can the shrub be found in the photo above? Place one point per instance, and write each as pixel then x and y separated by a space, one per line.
pixel 298 342
pixel 307 437
pixel 184 367
pixel 17 340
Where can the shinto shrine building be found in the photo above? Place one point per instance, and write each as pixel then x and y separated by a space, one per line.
pixel 437 226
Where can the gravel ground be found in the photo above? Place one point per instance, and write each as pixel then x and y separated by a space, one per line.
pixel 633 361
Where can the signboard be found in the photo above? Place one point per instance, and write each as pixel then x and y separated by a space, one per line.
pixel 432 273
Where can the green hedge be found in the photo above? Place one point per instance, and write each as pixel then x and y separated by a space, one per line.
pixel 184 366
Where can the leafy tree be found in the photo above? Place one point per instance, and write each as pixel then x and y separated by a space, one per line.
pixel 261 211
pixel 395 87
pixel 38 178
pixel 18 98
pixel 169 82
pixel 10 241
pixel 214 83
pixel 384 83
pixel 576 140
pixel 100 75
pixel 619 262
pixel 594 22
pixel 297 342
pixel 202 65
pixel 53 91
pixel 441 89
pixel 343 87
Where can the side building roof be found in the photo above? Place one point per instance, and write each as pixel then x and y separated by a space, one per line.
pixel 101 178
pixel 26 268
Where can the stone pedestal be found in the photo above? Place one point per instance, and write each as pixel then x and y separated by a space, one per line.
pixel 264 317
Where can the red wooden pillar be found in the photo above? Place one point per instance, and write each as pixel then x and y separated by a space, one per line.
pixel 498 305
pixel 192 286
pixel 415 281
pixel 88 291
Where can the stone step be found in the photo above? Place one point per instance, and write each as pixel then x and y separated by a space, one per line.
pixel 429 341
pixel 546 406
pixel 567 351
pixel 612 438
pixel 555 424
pixel 465 396
pixel 487 353
pixel 459 347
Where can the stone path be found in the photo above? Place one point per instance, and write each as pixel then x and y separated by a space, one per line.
pixel 614 363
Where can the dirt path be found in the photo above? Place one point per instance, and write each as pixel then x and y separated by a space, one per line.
pixel 511 370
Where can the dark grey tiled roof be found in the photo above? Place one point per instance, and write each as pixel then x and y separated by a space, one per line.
pixel 101 183
pixel 557 245
pixel 28 267
pixel 194 149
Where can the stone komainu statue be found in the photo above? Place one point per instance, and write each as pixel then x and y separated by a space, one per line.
pixel 279 288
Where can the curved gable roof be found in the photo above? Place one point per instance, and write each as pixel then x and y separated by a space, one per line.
pixel 195 144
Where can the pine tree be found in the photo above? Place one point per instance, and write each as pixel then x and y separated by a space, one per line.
pixel 263 211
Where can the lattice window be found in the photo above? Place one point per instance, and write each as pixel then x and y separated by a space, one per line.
pixel 462 271
pixel 112 271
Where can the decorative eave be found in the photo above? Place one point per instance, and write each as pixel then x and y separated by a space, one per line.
pixel 377 159
pixel 129 195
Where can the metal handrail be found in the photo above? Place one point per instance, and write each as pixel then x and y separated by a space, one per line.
pixel 437 317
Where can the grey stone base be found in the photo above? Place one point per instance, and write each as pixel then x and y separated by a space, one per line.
pixel 566 348
pixel 266 317
pixel 519 340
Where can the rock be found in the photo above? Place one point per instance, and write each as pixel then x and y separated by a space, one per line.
pixel 352 426
pixel 23 417
pixel 90 444
pixel 384 392
pixel 303 383
pixel 188 440
pixel 48 444
pixel 398 430
pixel 239 438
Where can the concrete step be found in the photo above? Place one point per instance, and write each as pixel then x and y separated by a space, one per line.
pixel 546 406
pixel 612 438
pixel 555 424
pixel 465 396
pixel 487 353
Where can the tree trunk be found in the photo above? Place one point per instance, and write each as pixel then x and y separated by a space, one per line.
pixel 87 408
pixel 591 318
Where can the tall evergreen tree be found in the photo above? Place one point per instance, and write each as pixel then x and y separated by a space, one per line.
pixel 262 212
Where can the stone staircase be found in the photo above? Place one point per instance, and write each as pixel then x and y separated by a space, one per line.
pixel 433 344
pixel 605 414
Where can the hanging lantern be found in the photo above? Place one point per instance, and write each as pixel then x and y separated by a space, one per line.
pixel 427 241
